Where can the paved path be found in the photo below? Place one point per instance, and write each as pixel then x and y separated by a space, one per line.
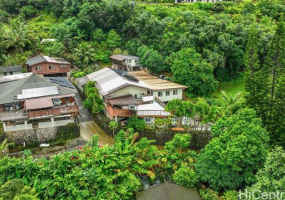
pixel 88 127
pixel 84 115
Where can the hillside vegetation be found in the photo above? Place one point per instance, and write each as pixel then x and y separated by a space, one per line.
pixel 236 46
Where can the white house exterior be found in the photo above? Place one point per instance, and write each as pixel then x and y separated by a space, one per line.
pixel 137 93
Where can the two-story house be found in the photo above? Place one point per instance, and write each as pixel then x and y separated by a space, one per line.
pixel 127 94
pixel 126 63
pixel 32 101
pixel 48 66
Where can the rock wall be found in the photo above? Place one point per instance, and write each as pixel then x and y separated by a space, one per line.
pixel 34 137
pixel 198 138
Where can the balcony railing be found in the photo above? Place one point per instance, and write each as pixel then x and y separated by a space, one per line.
pixel 74 110
pixel 122 112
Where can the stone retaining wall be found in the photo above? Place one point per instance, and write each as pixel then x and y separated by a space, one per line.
pixel 198 138
pixel 34 137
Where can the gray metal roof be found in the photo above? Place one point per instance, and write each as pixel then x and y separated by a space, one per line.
pixel 121 57
pixel 10 90
pixel 16 68
pixel 169 191
pixel 40 59
pixel 109 81
pixel 36 60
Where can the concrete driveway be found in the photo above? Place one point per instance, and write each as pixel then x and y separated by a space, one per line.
pixel 88 127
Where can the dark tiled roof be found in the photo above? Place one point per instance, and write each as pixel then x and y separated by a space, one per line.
pixel 168 191
pixel 16 68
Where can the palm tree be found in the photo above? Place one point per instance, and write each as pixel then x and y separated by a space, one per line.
pixel 232 103
pixel 3 148
pixel 113 125
pixel 16 35
pixel 85 53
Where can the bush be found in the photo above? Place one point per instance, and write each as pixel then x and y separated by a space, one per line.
pixel 185 176
pixel 208 194
pixel 230 195
pixel 136 123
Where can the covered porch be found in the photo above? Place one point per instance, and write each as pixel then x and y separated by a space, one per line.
pixel 122 106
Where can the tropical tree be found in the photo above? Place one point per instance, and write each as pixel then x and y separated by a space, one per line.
pixel 189 68
pixel 232 103
pixel 93 100
pixel 113 125
pixel 136 123
pixel 15 35
pixel 271 177
pixel 85 54
pixel 238 150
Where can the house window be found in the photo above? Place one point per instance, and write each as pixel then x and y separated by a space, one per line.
pixel 63 66
pixel 131 107
pixel 160 94
pixel 51 67
pixel 5 73
pixel 38 68
pixel 149 92
pixel 147 120
pixel 167 93
pixel 175 92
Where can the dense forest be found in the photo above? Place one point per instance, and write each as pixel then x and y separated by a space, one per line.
pixel 200 45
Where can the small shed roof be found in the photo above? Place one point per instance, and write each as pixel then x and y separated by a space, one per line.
pixel 168 191
pixel 155 83
pixel 151 107
pixel 116 57
pixel 15 68
pixel 121 57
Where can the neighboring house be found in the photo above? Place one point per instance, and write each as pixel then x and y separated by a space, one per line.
pixel 168 191
pixel 11 70
pixel 48 66
pixel 126 94
pixel 35 102
pixel 162 89
pixel 126 63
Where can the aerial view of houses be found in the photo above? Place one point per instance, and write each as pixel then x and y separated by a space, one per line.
pixel 142 100
pixel 135 93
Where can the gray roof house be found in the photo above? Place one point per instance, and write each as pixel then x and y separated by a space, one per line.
pixel 47 101
pixel 169 191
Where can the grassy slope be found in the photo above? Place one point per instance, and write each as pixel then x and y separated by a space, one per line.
pixel 231 87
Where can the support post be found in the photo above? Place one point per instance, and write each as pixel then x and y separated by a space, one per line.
pixel 4 126
pixel 52 121
pixel 26 124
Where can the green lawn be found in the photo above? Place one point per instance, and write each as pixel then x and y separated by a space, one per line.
pixel 231 87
